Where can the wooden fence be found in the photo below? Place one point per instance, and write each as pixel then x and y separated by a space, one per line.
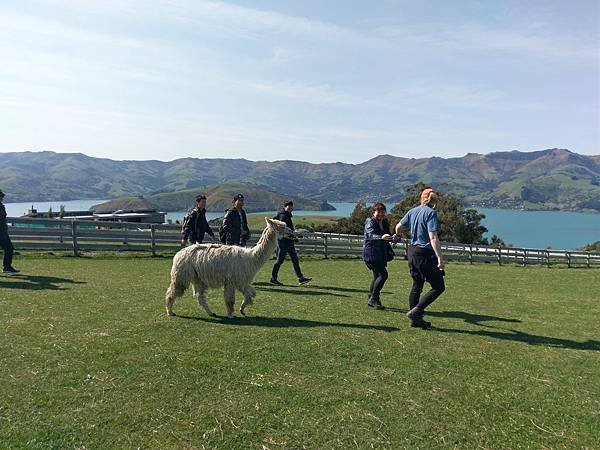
pixel 92 236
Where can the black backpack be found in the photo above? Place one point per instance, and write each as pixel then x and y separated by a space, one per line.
pixel 222 234
pixel 186 220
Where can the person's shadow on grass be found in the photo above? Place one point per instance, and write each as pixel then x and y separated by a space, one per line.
pixel 507 333
pixel 35 282
pixel 299 290
pixel 475 319
pixel 527 338
pixel 285 322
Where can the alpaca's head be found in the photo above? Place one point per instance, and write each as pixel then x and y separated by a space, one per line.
pixel 280 228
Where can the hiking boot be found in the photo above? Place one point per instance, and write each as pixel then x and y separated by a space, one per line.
pixel 275 282
pixel 10 271
pixel 303 280
pixel 420 323
pixel 415 319
pixel 373 303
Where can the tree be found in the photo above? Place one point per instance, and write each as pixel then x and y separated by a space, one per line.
pixel 595 247
pixel 61 212
pixel 457 224
pixel 495 241
pixel 49 214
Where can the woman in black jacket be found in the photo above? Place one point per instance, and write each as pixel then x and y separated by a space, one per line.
pixel 377 251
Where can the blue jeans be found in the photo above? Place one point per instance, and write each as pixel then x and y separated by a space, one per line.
pixel 282 250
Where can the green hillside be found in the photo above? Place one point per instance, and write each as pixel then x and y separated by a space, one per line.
pixel 218 199
pixel 546 179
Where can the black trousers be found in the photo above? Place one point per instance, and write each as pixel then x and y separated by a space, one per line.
pixel 422 264
pixel 8 248
pixel 282 250
pixel 380 276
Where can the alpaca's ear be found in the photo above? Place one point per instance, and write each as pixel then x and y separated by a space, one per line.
pixel 269 221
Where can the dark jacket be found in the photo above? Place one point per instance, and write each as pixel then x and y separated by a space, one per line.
pixel 286 217
pixel 374 248
pixel 3 224
pixel 233 227
pixel 196 226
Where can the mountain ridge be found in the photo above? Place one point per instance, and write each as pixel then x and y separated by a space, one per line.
pixel 542 179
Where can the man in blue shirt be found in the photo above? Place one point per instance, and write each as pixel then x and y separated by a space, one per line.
pixel 425 259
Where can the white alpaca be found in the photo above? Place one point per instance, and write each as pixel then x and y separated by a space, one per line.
pixel 228 266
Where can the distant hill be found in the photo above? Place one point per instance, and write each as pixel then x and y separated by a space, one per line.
pixel 218 199
pixel 546 179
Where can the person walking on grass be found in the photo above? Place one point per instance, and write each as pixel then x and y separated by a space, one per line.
pixel 235 229
pixel 425 259
pixel 286 246
pixel 377 251
pixel 195 225
pixel 5 241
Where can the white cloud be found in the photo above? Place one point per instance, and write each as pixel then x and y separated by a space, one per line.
pixel 537 43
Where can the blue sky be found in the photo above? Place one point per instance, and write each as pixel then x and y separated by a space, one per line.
pixel 317 81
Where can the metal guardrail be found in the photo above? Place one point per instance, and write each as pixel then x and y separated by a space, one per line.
pixel 95 236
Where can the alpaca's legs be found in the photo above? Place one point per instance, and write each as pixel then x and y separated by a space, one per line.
pixel 175 290
pixel 199 290
pixel 229 293
pixel 249 293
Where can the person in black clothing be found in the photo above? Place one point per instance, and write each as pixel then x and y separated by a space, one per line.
pixel 377 252
pixel 235 224
pixel 5 241
pixel 196 226
pixel 285 246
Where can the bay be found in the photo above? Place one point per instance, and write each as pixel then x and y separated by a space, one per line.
pixel 542 229
pixel 19 209
pixel 531 229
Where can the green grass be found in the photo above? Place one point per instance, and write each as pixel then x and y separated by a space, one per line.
pixel 90 360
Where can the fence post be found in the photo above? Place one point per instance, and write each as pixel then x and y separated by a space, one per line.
pixel 325 246
pixel 569 260
pixel 74 237
pixel 589 262
pixel 524 257
pixel 499 250
pixel 153 239
pixel 548 257
pixel 471 254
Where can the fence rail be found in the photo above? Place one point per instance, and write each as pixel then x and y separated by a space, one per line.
pixel 91 236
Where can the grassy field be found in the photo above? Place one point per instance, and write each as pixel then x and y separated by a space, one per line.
pixel 90 360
